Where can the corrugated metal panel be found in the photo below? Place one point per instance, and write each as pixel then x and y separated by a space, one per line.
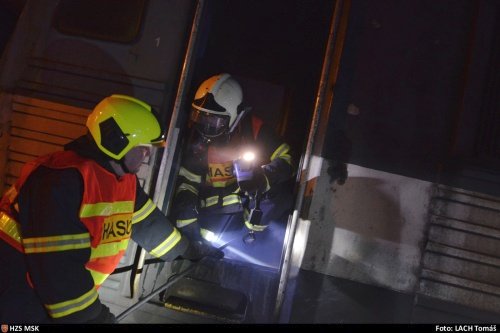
pixel 39 127
pixel 461 259
pixel 84 86
pixel 5 115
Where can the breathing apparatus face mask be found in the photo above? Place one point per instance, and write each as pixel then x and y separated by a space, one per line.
pixel 210 126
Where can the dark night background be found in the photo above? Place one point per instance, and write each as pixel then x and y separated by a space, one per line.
pixel 417 87
pixel 416 93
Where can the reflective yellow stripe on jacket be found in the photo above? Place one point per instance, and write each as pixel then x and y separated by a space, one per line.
pixel 283 153
pixel 104 250
pixel 187 187
pixel 167 244
pixel 144 212
pixel 107 208
pixel 224 183
pixel 9 231
pixel 56 243
pixel 183 223
pixel 254 227
pixel 189 175
pixel 66 308
pixel 230 199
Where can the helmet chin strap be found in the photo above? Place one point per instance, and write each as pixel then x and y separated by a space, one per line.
pixel 118 167
pixel 124 165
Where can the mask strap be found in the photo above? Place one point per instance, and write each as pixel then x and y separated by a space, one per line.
pixel 238 118
pixel 124 165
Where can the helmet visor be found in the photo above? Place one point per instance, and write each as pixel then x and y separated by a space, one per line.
pixel 209 124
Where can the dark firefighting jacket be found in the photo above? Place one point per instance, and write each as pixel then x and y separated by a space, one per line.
pixel 206 182
pixel 72 217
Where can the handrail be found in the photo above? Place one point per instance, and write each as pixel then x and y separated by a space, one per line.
pixel 173 131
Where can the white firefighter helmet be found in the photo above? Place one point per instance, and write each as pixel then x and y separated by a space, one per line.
pixel 217 106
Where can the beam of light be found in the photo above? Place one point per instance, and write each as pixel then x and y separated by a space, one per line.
pixel 220 243
pixel 246 257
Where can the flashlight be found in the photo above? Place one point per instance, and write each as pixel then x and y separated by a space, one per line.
pixel 243 167
pixel 248 156
pixel 244 173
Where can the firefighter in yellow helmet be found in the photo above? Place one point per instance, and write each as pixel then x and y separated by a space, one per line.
pixel 211 199
pixel 67 221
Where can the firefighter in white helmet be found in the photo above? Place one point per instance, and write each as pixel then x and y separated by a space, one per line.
pixel 65 224
pixel 209 199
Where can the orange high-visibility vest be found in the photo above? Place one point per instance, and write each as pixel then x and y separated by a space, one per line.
pixel 106 211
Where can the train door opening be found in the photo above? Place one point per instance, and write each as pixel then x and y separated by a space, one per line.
pixel 275 50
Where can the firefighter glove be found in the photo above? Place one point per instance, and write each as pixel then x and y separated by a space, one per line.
pixel 104 317
pixel 258 182
pixel 191 231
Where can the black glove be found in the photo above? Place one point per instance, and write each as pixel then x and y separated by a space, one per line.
pixel 258 182
pixel 104 317
pixel 198 250
pixel 192 232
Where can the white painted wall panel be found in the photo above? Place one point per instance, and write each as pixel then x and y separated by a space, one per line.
pixel 370 229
